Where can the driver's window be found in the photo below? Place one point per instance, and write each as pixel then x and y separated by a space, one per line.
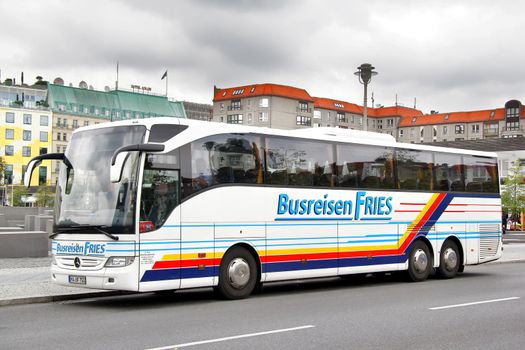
pixel 160 195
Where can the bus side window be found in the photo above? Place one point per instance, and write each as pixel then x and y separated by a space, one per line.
pixel 449 172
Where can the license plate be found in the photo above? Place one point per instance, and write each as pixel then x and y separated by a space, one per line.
pixel 77 279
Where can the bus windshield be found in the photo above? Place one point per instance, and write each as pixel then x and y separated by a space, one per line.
pixel 86 198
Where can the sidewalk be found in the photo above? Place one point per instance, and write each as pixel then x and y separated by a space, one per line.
pixel 27 280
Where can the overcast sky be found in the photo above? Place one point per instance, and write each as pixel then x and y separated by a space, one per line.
pixel 450 55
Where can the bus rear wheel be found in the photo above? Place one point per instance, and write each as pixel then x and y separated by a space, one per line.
pixel 237 275
pixel 448 260
pixel 419 262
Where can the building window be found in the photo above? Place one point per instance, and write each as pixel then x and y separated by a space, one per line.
pixel 28 119
pixel 263 117
pixel 303 106
pixel 75 124
pixel 44 120
pixel 445 129
pixel 59 136
pixel 9 134
pixel 434 131
pixel 380 124
pixel 264 102
pixel 475 129
pixel 8 174
pixel 43 150
pixel 26 151
pixel 235 119
pixel 236 105
pixel 9 117
pixel 422 131
pixel 43 136
pixel 61 107
pixel 9 150
pixel 42 175
pixel 128 115
pixel 64 123
pixel 401 133
pixel 59 122
pixel 74 108
pixel 390 123
pixel 26 135
pixel 341 117
pixel 339 105
pixel 317 114
pixel 238 92
pixel 304 121
pixel 460 129
pixel 86 122
pixel 64 137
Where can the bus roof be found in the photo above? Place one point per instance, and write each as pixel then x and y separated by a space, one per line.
pixel 198 129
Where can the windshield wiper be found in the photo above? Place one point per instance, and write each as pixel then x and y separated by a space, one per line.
pixel 82 228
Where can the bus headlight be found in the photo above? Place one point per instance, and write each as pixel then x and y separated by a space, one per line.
pixel 119 261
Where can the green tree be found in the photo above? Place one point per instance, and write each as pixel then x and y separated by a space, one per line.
pixel 513 194
pixel 45 197
pixel 2 169
pixel 18 193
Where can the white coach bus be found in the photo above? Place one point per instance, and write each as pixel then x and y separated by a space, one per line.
pixel 165 204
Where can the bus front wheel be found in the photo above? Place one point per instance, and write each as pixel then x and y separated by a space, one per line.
pixel 419 262
pixel 449 260
pixel 237 275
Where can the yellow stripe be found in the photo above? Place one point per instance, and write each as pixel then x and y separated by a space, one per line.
pixel 211 255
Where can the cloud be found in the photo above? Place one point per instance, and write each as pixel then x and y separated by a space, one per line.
pixel 449 55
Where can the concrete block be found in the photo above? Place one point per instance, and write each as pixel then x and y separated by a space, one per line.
pixel 41 221
pixel 29 223
pixel 24 244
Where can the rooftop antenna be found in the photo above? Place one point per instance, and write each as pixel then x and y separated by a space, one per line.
pixel 116 81
pixel 415 102
pixel 396 100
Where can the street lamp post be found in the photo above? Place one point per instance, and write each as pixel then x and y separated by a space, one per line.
pixel 365 73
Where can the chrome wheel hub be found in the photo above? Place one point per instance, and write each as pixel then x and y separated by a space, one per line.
pixel 450 259
pixel 238 273
pixel 420 261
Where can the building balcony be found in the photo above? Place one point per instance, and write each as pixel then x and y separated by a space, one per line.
pixel 235 108
pixel 512 132
pixel 303 110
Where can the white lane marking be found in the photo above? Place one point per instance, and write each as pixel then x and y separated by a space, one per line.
pixel 473 303
pixel 232 337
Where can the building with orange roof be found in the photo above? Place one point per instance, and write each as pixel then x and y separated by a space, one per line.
pixel 459 126
pixel 269 105
pixel 287 107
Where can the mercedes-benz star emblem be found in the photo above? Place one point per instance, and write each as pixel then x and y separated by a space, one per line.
pixel 77 262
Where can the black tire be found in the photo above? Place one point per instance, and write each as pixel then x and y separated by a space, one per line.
pixel 419 262
pixel 237 275
pixel 449 263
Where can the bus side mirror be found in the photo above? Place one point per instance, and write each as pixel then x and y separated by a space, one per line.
pixel 115 171
pixel 121 154
pixel 29 171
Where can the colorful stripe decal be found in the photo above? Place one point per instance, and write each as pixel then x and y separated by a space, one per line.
pixel 178 266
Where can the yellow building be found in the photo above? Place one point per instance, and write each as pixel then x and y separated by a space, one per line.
pixel 24 134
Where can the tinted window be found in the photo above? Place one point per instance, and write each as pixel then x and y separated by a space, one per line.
pixel 299 162
pixel 219 159
pixel 414 170
pixel 449 172
pixel 365 166
pixel 481 174
pixel 164 132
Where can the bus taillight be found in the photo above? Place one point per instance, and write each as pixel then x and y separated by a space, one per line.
pixel 146 226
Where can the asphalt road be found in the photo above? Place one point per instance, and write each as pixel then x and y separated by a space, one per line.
pixel 381 312
pixel 514 237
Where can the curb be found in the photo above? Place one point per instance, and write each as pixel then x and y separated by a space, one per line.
pixel 60 297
